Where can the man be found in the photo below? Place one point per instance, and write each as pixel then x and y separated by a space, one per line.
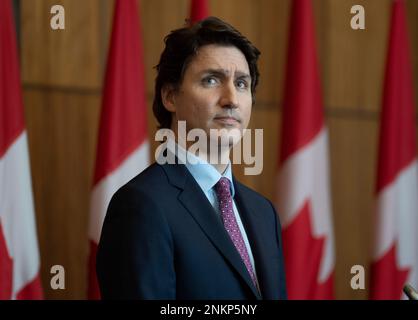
pixel 189 230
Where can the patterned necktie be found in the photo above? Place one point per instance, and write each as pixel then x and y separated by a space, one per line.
pixel 230 223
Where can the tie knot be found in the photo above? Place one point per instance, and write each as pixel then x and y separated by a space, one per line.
pixel 222 187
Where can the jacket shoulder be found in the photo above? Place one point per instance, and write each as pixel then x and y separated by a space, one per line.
pixel 150 178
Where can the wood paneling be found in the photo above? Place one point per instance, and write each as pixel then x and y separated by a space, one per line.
pixel 67 57
pixel 63 72
pixel 244 15
pixel 355 58
pixel 353 145
pixel 273 25
pixel 158 19
pixel 62 133
pixel 412 16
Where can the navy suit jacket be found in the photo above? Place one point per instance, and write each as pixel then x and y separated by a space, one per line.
pixel 161 239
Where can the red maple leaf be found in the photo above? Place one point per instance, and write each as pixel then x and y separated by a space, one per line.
pixel 303 255
pixel 6 269
pixel 387 278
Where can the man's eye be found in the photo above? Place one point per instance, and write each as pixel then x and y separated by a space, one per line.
pixel 210 81
pixel 242 84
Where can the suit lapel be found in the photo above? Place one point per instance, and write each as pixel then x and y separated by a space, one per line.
pixel 196 203
pixel 256 236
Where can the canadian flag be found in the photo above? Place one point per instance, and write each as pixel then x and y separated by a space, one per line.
pixel 303 199
pixel 19 253
pixel 123 148
pixel 395 251
pixel 199 10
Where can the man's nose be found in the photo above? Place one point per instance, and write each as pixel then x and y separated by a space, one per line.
pixel 229 97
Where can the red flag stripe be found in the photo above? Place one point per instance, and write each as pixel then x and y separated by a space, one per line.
pixel 302 106
pixel 123 121
pixel 11 106
pixel 395 251
pixel 397 147
pixel 123 150
pixel 19 256
pixel 199 10
pixel 303 187
pixel 6 273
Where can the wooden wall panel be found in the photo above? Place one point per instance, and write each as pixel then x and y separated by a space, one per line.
pixel 353 145
pixel 62 72
pixel 158 19
pixel 246 19
pixel 272 43
pixel 355 58
pixel 62 133
pixel 67 57
pixel 412 16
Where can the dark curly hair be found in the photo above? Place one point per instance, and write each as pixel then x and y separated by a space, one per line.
pixel 181 46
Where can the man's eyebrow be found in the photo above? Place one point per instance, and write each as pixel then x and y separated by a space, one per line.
pixel 223 72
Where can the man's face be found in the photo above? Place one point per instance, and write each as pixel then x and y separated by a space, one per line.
pixel 215 92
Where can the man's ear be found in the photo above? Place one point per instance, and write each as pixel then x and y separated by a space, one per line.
pixel 168 97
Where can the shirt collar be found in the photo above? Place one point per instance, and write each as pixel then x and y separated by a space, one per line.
pixel 203 172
